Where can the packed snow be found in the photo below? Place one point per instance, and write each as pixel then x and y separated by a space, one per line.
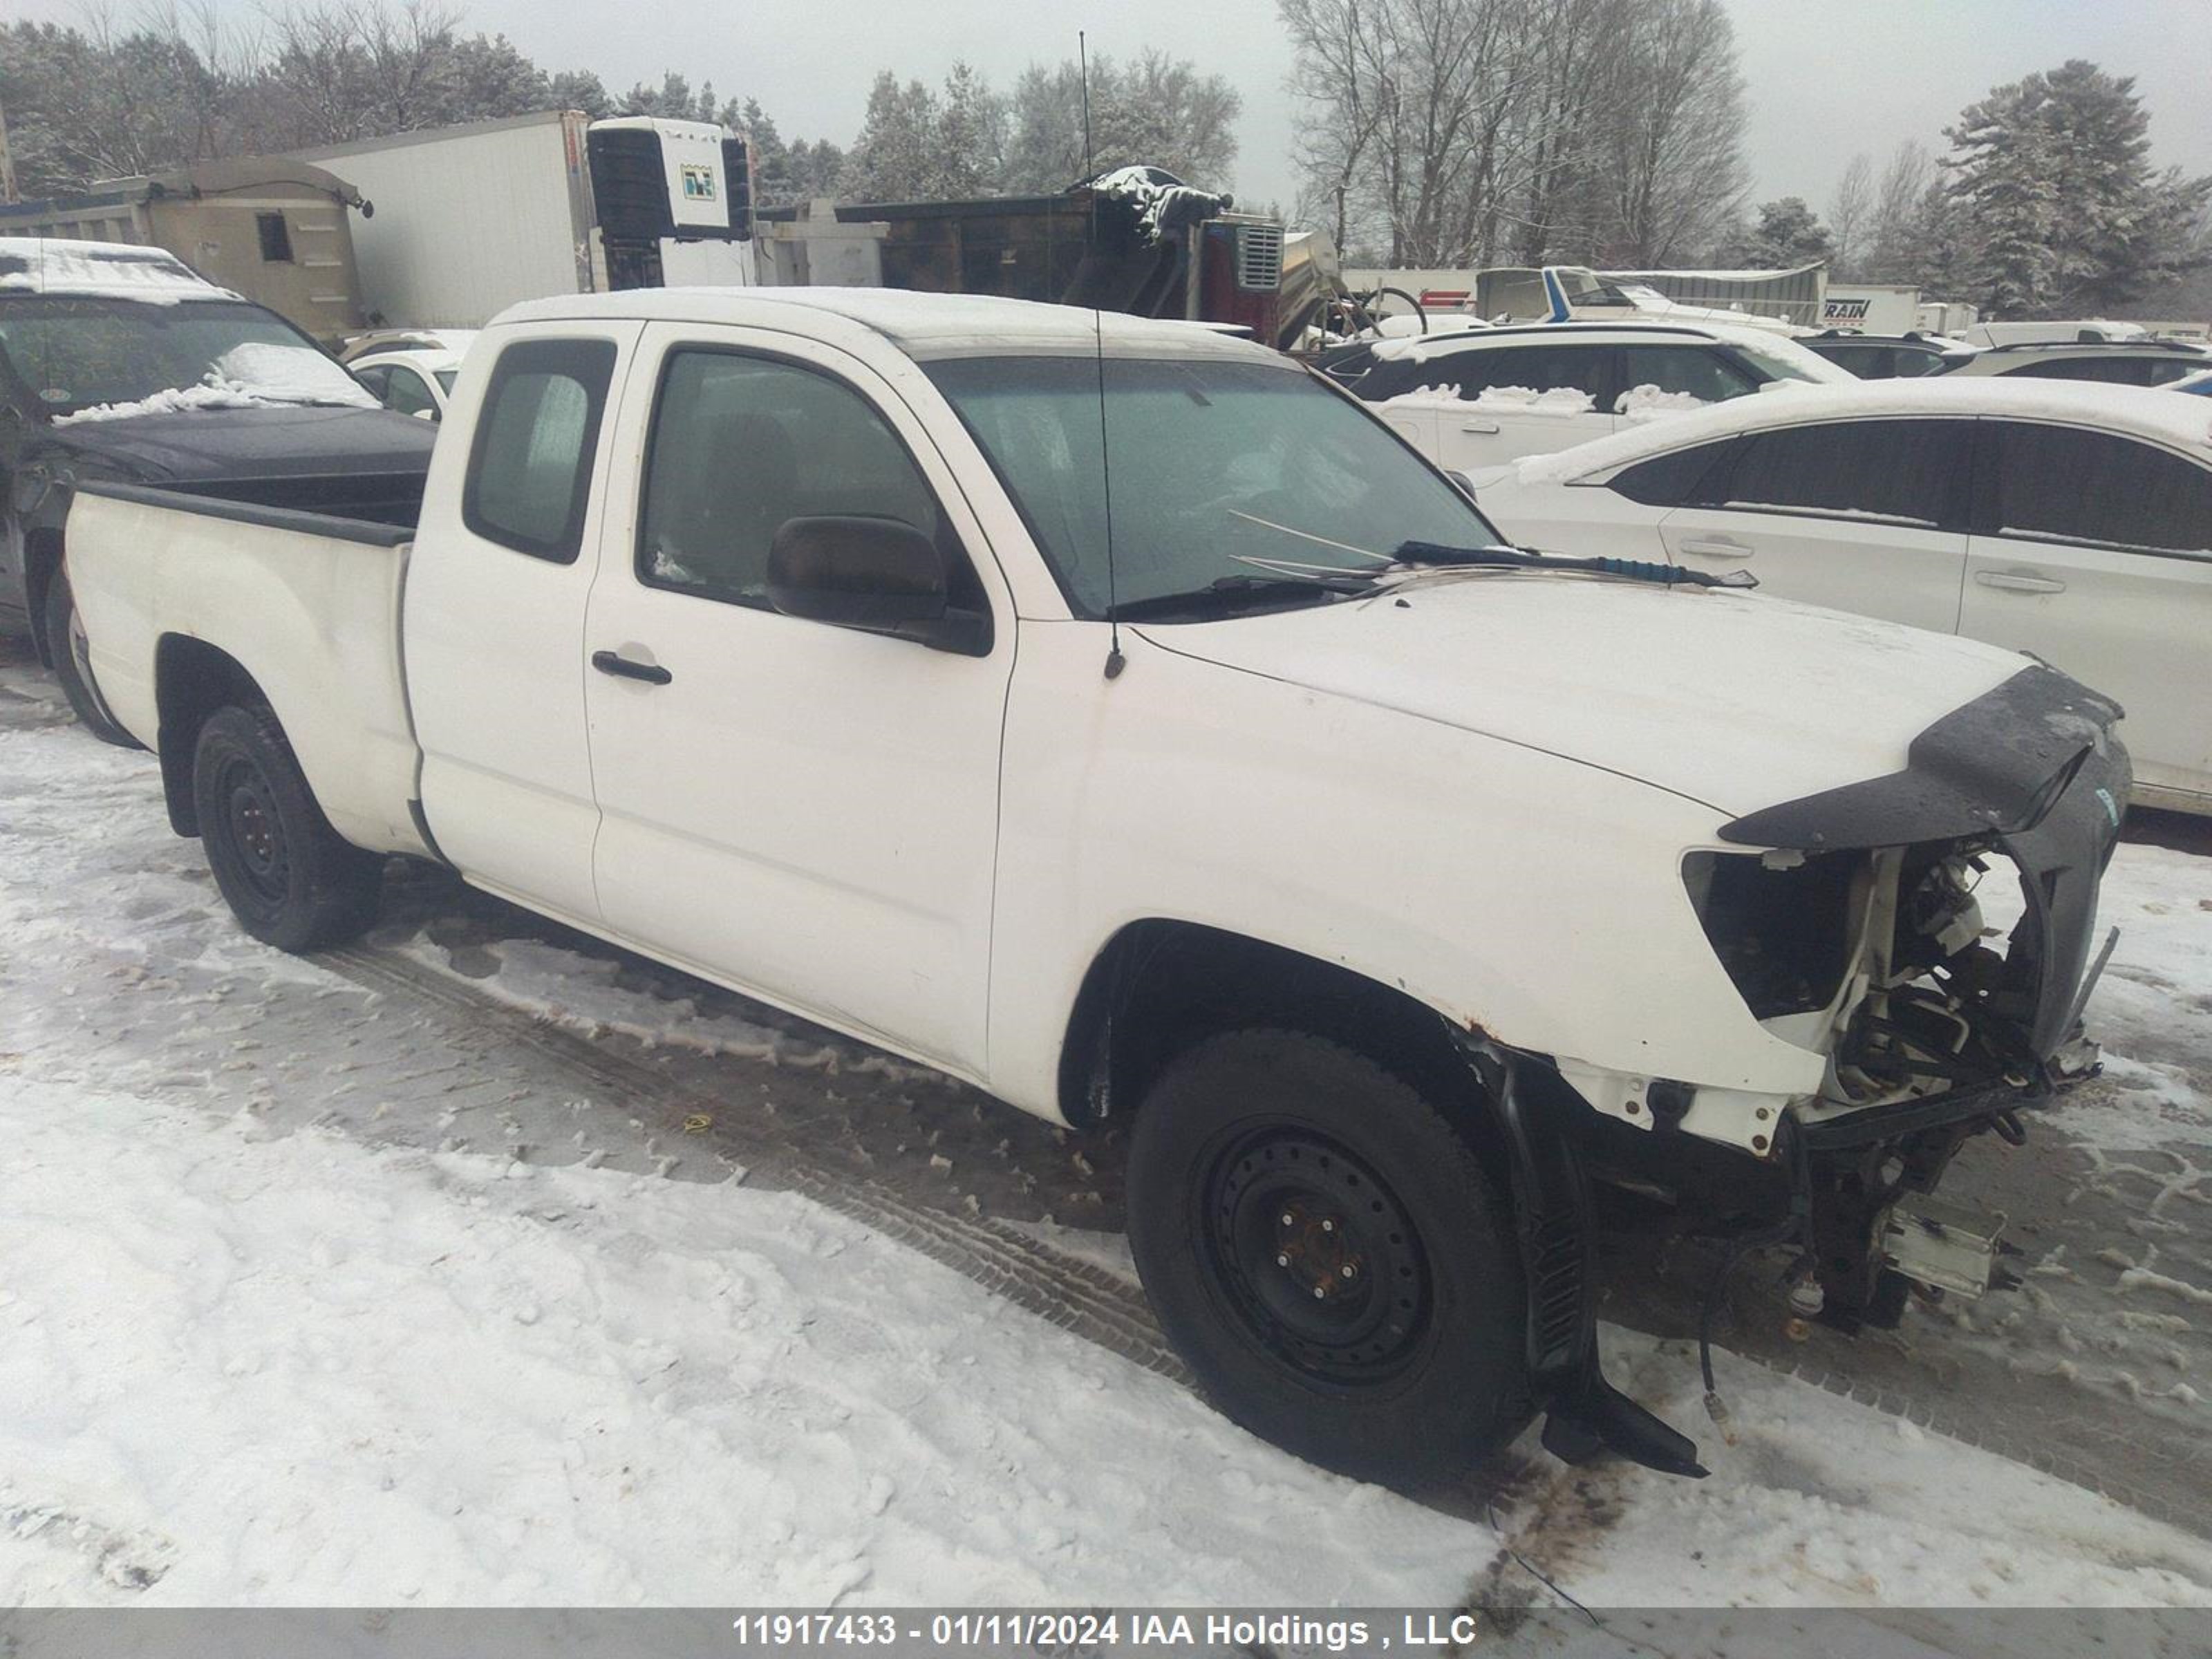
pixel 1649 403
pixel 271 1335
pixel 1558 400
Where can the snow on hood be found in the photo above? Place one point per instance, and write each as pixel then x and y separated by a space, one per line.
pixel 253 375
pixel 1734 700
pixel 35 264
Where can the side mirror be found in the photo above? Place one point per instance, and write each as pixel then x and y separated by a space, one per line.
pixel 876 575
pixel 1462 483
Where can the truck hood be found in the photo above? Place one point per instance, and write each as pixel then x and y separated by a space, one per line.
pixel 209 445
pixel 1732 700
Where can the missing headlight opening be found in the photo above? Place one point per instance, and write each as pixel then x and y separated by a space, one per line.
pixel 1850 923
pixel 1878 959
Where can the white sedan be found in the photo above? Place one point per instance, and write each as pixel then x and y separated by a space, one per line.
pixel 411 372
pixel 2071 521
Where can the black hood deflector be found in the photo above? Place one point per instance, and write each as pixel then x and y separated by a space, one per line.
pixel 1993 766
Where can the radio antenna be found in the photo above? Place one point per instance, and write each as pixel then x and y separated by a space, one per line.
pixel 1115 662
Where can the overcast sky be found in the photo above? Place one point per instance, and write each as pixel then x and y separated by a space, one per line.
pixel 1827 78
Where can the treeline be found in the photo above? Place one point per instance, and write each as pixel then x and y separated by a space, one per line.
pixel 103 100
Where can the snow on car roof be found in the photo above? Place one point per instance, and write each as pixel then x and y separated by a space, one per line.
pixel 923 325
pixel 2145 412
pixel 41 264
pixel 1419 347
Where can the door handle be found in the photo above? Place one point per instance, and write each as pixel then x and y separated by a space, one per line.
pixel 2019 581
pixel 608 662
pixel 1718 548
pixel 1478 426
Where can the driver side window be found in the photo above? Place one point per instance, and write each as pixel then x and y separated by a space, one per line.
pixel 740 446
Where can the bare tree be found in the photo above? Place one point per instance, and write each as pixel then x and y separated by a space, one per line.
pixel 1450 132
pixel 1676 167
pixel 1896 230
pixel 1850 215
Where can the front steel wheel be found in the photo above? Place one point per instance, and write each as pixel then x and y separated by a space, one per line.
pixel 1326 1247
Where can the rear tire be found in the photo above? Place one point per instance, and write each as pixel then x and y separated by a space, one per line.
pixel 65 642
pixel 287 875
pixel 1327 1251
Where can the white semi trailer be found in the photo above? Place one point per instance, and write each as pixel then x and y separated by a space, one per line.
pixel 460 222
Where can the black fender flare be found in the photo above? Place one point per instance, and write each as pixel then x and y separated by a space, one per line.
pixel 1539 1118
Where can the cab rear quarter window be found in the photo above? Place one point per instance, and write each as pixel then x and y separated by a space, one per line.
pixel 530 468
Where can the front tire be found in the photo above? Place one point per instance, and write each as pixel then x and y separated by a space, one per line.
pixel 287 875
pixel 1327 1252
pixel 66 643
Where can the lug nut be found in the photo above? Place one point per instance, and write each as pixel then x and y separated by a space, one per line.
pixel 1287 1221
pixel 1282 1261
pixel 1319 1292
pixel 1346 1270
pixel 1328 1226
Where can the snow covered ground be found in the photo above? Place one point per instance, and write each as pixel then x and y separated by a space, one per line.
pixel 312 1292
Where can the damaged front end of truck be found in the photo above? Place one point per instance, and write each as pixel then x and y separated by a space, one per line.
pixel 1851 923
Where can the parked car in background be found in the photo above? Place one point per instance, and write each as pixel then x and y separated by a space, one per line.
pixel 2115 362
pixel 410 372
pixel 1887 356
pixel 792 637
pixel 1473 400
pixel 119 361
pixel 2061 332
pixel 2071 522
pixel 2199 384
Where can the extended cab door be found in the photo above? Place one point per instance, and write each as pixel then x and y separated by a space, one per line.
pixel 1861 515
pixel 493 625
pixel 2094 551
pixel 806 812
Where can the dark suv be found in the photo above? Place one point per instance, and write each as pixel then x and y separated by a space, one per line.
pixel 122 363
pixel 1886 356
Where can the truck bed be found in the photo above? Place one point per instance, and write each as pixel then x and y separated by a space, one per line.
pixel 174 581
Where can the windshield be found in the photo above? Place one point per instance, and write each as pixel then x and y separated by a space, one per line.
pixel 1585 287
pixel 82 357
pixel 1214 465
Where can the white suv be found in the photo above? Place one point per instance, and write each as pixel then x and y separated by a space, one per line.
pixel 1475 400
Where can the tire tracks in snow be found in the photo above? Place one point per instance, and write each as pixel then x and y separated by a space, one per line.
pixel 1101 1306
pixel 1078 1295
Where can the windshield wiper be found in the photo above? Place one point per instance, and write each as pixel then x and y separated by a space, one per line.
pixel 1434 555
pixel 1226 595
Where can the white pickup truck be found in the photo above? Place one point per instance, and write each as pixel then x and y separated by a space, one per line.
pixel 1404 894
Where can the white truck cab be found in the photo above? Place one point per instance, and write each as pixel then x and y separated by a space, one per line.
pixel 1119 717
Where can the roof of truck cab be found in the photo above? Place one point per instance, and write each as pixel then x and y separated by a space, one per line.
pixel 2150 412
pixel 922 325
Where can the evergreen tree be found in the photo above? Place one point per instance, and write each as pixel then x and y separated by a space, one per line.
pixel 1788 234
pixel 895 158
pixel 971 136
pixel 2053 174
